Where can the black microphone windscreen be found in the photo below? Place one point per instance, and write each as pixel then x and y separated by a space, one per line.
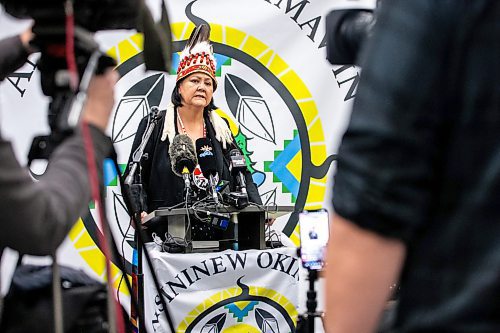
pixel 206 157
pixel 182 154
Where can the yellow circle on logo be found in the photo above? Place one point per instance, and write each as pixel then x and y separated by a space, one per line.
pixel 218 297
pixel 133 45
pixel 241 328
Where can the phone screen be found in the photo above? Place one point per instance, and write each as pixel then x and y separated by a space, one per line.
pixel 314 233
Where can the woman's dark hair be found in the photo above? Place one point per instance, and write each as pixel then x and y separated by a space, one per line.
pixel 177 100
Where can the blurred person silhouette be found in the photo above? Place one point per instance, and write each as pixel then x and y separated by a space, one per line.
pixel 418 181
pixel 36 216
pixel 192 112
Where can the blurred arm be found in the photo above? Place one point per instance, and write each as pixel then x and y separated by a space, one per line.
pixel 36 216
pixel 361 267
pixel 384 188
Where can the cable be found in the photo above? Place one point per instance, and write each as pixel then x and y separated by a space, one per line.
pixel 188 228
pixel 70 45
pixel 202 203
pixel 269 234
pixel 173 207
pixel 96 195
pixel 264 208
pixel 123 262
pixel 115 198
pixel 181 242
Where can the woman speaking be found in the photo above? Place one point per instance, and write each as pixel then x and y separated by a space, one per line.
pixel 191 114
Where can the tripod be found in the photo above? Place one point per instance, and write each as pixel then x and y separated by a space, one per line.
pixel 305 322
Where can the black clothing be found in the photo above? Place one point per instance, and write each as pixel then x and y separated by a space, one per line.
pixel 162 188
pixel 420 160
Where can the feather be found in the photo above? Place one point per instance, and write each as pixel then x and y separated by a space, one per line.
pixel 200 34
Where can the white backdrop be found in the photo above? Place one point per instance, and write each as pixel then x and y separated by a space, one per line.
pixel 271 54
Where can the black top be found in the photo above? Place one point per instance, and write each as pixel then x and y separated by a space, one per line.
pixel 162 188
pixel 420 160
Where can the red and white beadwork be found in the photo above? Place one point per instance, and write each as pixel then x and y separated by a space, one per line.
pixel 199 59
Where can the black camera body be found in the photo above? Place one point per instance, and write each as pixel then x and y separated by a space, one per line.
pixel 63 32
pixel 93 15
pixel 50 32
pixel 346 32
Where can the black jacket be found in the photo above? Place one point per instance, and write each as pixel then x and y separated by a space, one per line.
pixel 420 160
pixel 162 188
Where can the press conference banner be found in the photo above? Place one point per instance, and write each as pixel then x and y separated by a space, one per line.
pixel 287 106
pixel 245 291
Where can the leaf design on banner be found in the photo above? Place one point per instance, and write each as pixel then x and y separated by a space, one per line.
pixel 258 177
pixel 215 324
pixel 266 321
pixel 135 104
pixel 269 197
pixel 249 108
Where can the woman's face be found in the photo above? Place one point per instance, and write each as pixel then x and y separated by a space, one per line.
pixel 196 90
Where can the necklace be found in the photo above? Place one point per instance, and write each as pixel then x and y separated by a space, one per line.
pixel 184 128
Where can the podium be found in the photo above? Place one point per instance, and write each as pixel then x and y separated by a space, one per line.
pixel 246 226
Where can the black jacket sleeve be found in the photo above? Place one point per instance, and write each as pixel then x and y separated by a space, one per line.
pixel 36 216
pixel 253 192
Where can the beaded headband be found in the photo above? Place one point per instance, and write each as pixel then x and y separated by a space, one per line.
pixel 198 55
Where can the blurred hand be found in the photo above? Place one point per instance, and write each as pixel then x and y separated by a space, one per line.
pixel 143 215
pixel 26 37
pixel 100 99
pixel 270 221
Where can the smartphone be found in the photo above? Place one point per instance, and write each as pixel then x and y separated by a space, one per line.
pixel 314 233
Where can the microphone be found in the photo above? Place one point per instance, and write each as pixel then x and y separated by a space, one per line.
pixel 208 165
pixel 237 166
pixel 183 158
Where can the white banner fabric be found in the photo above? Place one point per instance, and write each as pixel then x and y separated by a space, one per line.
pixel 230 291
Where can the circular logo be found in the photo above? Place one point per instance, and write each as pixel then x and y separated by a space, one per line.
pixel 247 309
pixel 271 112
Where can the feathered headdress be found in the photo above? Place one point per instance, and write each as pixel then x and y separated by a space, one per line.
pixel 198 55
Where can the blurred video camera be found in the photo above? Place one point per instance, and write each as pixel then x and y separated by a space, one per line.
pixel 94 15
pixel 52 20
pixel 346 32
pixel 70 56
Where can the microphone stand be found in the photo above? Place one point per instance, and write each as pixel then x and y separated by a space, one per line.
pixel 305 323
pixel 243 187
pixel 134 196
pixel 213 190
pixel 139 152
pixel 187 185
